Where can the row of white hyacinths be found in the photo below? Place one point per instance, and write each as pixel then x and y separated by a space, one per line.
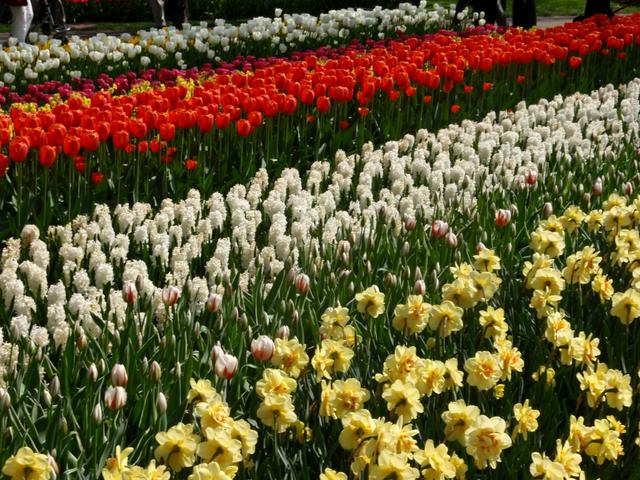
pixel 193 248
pixel 48 58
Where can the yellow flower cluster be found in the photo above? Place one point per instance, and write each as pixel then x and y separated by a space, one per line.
pixel 226 442
pixel 277 385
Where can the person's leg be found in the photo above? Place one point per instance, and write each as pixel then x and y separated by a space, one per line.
pixel 28 16
pixel 57 10
pixel 594 7
pixel 176 12
pixel 21 18
pixel 524 13
pixel 158 9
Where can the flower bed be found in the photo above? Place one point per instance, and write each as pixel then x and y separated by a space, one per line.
pixel 212 134
pixel 49 58
pixel 107 319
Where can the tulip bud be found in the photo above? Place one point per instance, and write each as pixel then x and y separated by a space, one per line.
pixel 213 302
pixel 46 397
pixel 503 217
pixel 216 351
pixel 390 280
pixel 129 293
pixel 586 198
pixel 235 314
pixel 480 246
pixel 439 228
pixel 547 210
pixel 628 189
pixel 351 288
pixel 295 317
pixel 345 258
pixel 226 366
pixel 5 399
pixel 332 278
pixel 410 224
pixel 81 342
pixel 145 363
pixel 119 375
pixel 115 397
pixel 178 370
pixel 63 425
pixel 451 239
pixel 244 321
pixel 434 280
pixel 302 284
pixel 282 307
pixel 155 372
pixel 96 414
pixel 597 187
pixel 292 275
pixel 170 295
pixel 420 288
pixel 54 387
pixel 161 403
pixel 262 348
pixel 367 267
pixel 531 177
pixel 102 366
pixel 283 332
pixel 53 466
pixel 406 248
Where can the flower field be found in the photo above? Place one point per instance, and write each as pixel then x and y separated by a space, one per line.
pixel 409 258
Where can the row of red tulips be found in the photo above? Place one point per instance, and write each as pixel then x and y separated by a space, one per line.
pixel 144 145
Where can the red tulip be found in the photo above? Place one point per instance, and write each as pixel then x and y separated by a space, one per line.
pixel 167 131
pixel 47 155
pixel 243 127
pixel 90 140
pixel 323 104
pixel 79 164
pixel 255 118
pixel 455 108
pixel 223 120
pixel 96 178
pixel 19 149
pixel 71 145
pixel 191 164
pixel 138 128
pixel 121 139
pixel 56 134
pixel 104 130
pixel 575 62
pixel 205 123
